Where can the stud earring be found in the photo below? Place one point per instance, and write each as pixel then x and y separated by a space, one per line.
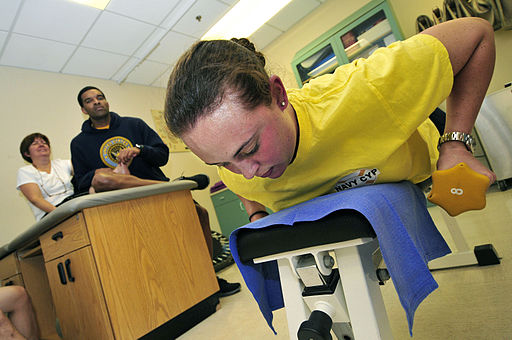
pixel 283 104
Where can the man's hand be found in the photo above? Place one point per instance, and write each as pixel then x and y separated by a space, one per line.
pixel 126 155
pixel 121 168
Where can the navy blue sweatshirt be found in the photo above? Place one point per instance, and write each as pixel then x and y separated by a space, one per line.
pixel 97 148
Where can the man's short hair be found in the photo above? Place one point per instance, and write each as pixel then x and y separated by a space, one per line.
pixel 85 89
pixel 27 141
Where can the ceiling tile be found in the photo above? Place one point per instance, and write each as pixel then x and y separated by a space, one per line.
pixel 264 36
pixel 229 2
pixel 45 32
pixel 209 10
pixel 171 47
pixel 94 63
pixel 8 11
pixel 292 13
pixel 147 72
pixel 125 70
pixel 35 53
pixel 150 43
pixel 153 14
pixel 176 14
pixel 3 36
pixel 163 80
pixel 118 34
pixel 55 20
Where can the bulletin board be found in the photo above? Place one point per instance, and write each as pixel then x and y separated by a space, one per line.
pixel 175 144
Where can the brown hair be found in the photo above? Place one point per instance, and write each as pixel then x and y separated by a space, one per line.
pixel 27 141
pixel 206 72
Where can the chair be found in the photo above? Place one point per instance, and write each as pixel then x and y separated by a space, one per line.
pixel 346 298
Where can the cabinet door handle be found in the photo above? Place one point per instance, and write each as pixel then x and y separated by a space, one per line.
pixel 68 270
pixel 57 235
pixel 62 275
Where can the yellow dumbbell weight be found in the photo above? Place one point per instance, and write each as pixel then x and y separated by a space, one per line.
pixel 458 189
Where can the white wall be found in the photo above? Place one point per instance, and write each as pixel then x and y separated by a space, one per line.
pixel 46 102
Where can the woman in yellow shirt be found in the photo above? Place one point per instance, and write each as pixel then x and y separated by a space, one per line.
pixel 366 123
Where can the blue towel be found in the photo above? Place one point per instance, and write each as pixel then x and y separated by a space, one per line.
pixel 407 237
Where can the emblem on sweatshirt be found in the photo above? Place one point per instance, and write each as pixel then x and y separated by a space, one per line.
pixel 110 149
pixel 357 178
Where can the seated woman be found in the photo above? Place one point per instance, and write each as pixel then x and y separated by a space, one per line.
pixel 45 182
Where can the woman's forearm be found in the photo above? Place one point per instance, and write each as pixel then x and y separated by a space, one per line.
pixel 43 204
pixel 255 210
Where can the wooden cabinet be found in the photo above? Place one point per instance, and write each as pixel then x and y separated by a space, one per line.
pixel 25 268
pixel 10 273
pixel 16 280
pixel 358 36
pixel 121 270
pixel 74 281
pixel 78 297
pixel 66 237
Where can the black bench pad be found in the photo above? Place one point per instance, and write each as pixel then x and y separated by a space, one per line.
pixel 339 226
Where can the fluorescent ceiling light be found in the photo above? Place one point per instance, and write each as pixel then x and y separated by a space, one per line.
pixel 100 4
pixel 245 18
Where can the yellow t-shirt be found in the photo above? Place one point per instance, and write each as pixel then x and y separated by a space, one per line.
pixel 365 123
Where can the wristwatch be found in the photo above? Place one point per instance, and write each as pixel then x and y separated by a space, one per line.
pixel 465 138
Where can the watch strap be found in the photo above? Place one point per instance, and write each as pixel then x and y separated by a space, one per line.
pixel 140 147
pixel 463 137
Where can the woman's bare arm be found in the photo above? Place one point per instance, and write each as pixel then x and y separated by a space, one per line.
pixel 470 45
pixel 32 192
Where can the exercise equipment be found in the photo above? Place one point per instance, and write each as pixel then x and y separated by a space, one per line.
pixel 287 259
pixel 321 297
pixel 317 296
pixel 458 189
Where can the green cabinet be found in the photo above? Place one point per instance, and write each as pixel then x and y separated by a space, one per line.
pixel 357 36
pixel 230 211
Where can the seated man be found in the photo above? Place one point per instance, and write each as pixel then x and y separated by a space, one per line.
pixel 22 324
pixel 114 152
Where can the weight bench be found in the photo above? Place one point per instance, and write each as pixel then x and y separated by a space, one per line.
pixel 347 298
pixel 287 259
